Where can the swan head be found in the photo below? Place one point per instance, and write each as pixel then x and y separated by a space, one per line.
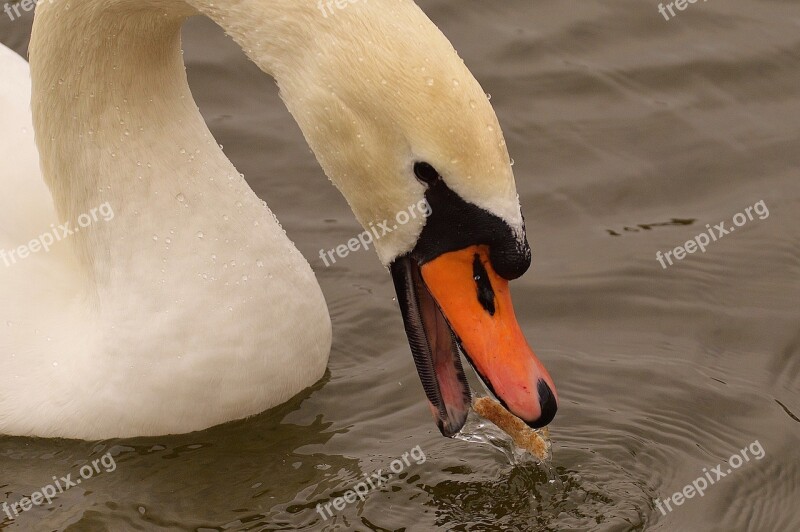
pixel 404 130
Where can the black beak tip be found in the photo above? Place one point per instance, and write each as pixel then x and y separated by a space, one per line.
pixel 548 403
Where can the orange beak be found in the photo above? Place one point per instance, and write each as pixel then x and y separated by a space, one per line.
pixel 457 299
pixel 452 289
pixel 482 318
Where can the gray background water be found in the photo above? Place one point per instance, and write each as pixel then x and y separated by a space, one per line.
pixel 618 121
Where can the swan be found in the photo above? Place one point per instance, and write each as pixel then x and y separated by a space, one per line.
pixel 170 299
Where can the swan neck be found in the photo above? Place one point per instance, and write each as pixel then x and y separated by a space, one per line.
pixel 117 126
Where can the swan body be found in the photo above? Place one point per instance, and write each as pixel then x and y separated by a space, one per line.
pixel 189 306
pixel 226 320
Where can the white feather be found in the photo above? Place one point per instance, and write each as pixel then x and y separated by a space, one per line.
pixel 190 307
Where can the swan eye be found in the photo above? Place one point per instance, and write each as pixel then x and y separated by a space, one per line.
pixel 426 173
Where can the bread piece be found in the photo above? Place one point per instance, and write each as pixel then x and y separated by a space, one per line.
pixel 523 436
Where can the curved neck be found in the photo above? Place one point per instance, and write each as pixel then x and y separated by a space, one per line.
pixel 116 123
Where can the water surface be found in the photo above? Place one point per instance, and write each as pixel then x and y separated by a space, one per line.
pixel 630 134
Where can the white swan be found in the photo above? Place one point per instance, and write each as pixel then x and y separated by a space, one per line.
pixel 190 307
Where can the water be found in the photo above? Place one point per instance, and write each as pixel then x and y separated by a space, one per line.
pixel 630 134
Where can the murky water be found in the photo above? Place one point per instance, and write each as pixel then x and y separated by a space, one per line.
pixel 630 134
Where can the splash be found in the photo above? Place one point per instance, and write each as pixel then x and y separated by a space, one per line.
pixel 490 423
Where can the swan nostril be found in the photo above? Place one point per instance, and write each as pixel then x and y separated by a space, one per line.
pixel 548 403
pixel 484 284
